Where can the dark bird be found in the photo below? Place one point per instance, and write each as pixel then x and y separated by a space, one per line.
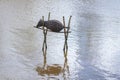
pixel 53 25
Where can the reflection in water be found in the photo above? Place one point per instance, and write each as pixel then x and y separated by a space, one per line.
pixel 54 69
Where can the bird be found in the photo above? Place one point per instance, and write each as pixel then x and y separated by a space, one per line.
pixel 53 25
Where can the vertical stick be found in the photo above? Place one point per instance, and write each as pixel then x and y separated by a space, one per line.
pixel 43 23
pixel 43 33
pixel 49 16
pixel 68 25
pixel 64 34
pixel 64 26
pixel 69 21
pixel 44 48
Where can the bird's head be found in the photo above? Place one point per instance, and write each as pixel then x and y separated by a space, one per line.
pixel 40 23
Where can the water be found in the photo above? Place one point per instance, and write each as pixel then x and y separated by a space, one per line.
pixel 94 44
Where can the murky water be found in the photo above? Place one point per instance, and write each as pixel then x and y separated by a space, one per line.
pixel 94 44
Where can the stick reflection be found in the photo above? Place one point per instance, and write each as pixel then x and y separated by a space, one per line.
pixel 54 70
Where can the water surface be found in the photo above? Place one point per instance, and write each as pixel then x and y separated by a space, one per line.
pixel 94 43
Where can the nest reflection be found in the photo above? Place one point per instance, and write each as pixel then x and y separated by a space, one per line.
pixel 54 69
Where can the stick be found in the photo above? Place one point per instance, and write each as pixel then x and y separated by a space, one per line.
pixel 52 31
pixel 49 16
